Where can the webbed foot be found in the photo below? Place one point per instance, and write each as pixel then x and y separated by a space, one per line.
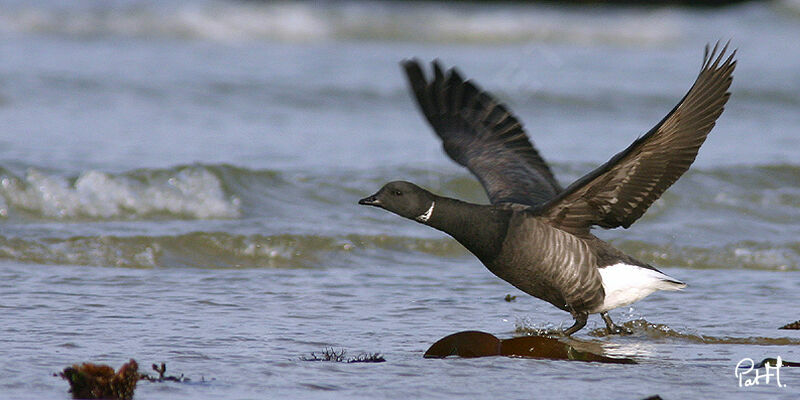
pixel 614 329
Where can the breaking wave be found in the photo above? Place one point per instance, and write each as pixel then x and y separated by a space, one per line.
pixel 315 21
pixel 222 216
pixel 185 192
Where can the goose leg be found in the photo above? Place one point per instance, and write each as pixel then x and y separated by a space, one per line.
pixel 580 322
pixel 614 329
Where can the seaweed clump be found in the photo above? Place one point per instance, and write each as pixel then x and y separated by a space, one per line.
pixel 161 377
pixel 332 355
pixel 93 381
pixel 793 325
pixel 97 381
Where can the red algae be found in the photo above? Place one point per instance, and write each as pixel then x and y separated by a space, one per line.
pixel 465 344
pixel 481 344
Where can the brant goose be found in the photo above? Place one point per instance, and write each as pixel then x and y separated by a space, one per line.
pixel 537 235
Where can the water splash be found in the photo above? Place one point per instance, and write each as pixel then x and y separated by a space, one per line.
pixel 654 331
pixel 642 327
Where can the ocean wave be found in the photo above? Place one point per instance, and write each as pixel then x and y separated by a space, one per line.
pixel 790 7
pixel 198 191
pixel 315 21
pixel 230 250
pixel 737 217
pixel 770 193
pixel 183 192
pixel 758 255
pixel 217 250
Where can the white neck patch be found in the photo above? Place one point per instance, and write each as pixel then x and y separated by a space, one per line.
pixel 425 217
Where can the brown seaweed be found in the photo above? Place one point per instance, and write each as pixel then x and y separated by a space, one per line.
pixel 793 325
pixel 481 344
pixel 332 355
pixel 161 375
pixel 94 381
pixel 98 381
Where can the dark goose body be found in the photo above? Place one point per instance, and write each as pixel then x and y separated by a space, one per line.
pixel 535 234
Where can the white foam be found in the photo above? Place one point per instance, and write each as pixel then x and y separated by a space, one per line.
pixel 221 21
pixel 191 192
pixel 772 258
pixel 314 21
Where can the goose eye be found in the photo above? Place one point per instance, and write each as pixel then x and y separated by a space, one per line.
pixel 397 192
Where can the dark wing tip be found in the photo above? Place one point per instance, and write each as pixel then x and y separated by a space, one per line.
pixel 712 58
pixel 455 75
pixel 413 71
pixel 410 61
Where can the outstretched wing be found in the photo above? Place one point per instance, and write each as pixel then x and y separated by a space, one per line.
pixel 481 134
pixel 620 191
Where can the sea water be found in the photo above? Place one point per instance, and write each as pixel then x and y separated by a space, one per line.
pixel 178 184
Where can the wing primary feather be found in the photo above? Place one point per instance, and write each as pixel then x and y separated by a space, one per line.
pixel 482 134
pixel 620 191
